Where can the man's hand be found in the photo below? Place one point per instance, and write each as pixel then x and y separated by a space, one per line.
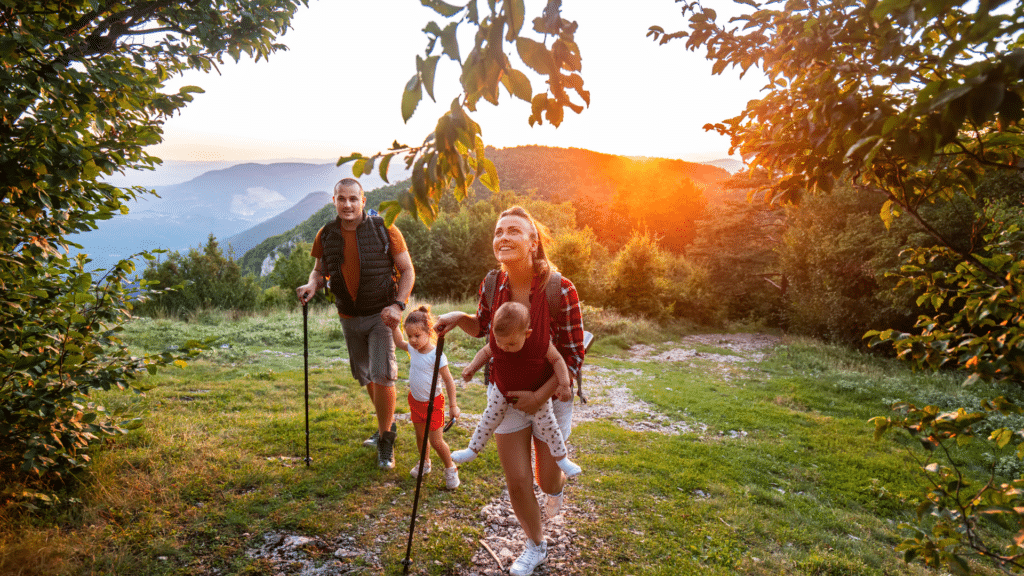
pixel 391 316
pixel 306 292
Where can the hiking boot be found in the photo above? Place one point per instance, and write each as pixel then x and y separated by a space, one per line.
pixel 451 478
pixel 415 472
pixel 371 442
pixel 386 450
pixel 529 559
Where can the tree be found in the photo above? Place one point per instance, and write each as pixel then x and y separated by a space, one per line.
pixel 915 101
pixel 639 277
pixel 453 155
pixel 82 98
pixel 203 279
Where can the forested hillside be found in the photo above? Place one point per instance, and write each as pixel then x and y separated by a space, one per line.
pixel 611 194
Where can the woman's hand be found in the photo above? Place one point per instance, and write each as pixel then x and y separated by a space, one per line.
pixel 527 401
pixel 454 411
pixel 564 393
pixel 445 322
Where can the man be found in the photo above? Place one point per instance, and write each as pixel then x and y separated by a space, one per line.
pixel 360 257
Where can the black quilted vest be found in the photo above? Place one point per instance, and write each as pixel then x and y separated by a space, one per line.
pixel 378 283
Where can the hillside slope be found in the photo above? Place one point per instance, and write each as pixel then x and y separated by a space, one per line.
pixel 244 241
pixel 591 180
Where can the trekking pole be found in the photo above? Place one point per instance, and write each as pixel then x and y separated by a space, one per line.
pixel 305 369
pixel 425 445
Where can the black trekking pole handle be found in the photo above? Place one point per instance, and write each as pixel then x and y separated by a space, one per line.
pixel 425 445
pixel 305 370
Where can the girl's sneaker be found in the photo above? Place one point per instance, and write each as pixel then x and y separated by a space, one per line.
pixel 451 477
pixel 415 472
pixel 463 456
pixel 529 559
pixel 553 505
pixel 570 468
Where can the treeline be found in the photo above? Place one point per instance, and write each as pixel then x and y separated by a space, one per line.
pixel 827 268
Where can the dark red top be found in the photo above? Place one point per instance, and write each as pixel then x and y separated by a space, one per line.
pixel 528 368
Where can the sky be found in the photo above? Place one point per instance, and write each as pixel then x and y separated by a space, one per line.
pixel 338 89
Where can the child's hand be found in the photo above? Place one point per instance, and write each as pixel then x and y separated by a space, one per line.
pixel 454 411
pixel 467 374
pixel 564 393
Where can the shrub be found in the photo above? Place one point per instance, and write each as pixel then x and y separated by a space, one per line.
pixel 198 281
pixel 65 344
pixel 638 282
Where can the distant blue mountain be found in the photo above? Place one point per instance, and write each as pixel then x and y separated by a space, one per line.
pixel 224 202
pixel 246 240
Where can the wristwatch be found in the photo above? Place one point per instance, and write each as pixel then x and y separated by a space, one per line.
pixel 401 305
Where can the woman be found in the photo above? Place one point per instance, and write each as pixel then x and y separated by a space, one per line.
pixel 519 248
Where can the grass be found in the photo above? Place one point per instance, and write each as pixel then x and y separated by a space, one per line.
pixel 784 479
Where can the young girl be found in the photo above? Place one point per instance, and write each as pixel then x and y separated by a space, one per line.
pixel 419 327
pixel 511 330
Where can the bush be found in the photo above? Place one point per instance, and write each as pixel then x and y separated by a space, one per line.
pixel 199 281
pixel 638 282
pixel 577 254
pixel 64 344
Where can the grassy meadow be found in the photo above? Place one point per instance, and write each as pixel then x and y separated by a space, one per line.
pixel 782 476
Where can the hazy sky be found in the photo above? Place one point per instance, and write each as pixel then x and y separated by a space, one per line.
pixel 338 89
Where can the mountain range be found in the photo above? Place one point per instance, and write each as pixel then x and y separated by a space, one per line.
pixel 225 202
pixel 246 205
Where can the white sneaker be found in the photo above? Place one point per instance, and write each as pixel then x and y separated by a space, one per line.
pixel 529 559
pixel 553 505
pixel 463 456
pixel 415 472
pixel 451 477
pixel 570 468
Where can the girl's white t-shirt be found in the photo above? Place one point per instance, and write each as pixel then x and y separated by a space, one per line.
pixel 421 371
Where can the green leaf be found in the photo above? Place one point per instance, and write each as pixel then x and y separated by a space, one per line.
pixel 427 68
pixel 442 8
pixel 383 168
pixel 515 11
pixel 349 158
pixel 411 97
pixel 449 42
pixel 357 168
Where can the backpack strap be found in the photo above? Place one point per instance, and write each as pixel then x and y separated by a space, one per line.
pixel 555 310
pixel 381 229
pixel 490 283
pixel 554 293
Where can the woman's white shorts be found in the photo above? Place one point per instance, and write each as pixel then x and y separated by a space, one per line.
pixel 515 419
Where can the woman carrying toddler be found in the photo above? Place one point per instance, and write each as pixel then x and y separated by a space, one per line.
pixel 516 361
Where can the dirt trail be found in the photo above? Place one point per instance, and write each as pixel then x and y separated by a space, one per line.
pixel 610 399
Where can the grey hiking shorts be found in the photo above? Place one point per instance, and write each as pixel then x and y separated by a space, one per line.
pixel 371 350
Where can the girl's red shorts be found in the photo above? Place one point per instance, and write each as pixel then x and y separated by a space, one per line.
pixel 418 411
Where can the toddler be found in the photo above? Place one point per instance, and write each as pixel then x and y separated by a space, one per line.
pixel 511 328
pixel 419 327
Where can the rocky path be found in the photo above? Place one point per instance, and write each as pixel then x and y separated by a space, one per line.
pixel 609 400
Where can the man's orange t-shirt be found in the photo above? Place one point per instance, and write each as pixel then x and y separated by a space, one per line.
pixel 350 267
